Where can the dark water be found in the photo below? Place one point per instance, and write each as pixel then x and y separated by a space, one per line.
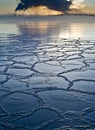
pixel 47 73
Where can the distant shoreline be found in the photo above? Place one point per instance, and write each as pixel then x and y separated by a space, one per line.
pixel 48 15
pixel 48 18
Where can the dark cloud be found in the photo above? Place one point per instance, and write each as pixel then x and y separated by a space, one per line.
pixel 58 5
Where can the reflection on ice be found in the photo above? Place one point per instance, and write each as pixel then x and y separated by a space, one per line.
pixel 47 74
pixel 9 28
pixel 63 28
pixel 59 26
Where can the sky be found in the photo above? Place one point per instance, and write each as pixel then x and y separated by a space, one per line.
pixel 8 6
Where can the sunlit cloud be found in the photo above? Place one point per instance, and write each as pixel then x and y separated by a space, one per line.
pixel 77 4
pixel 54 7
pixel 43 7
pixel 39 10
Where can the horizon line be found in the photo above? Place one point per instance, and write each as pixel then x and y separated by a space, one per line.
pixel 81 14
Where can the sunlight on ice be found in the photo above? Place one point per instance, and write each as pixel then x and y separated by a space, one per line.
pixel 71 31
pixel 9 29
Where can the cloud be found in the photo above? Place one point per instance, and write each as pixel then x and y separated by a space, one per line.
pixel 59 5
pixel 39 10
pixel 79 7
pixel 51 7
pixel 37 6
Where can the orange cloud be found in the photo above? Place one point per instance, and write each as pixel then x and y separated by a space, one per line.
pixel 39 10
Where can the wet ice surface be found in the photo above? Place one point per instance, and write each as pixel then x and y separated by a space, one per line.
pixel 47 74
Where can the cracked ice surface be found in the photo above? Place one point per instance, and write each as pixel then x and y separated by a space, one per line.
pixel 47 76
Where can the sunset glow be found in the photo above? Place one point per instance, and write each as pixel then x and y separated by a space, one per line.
pixel 48 7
